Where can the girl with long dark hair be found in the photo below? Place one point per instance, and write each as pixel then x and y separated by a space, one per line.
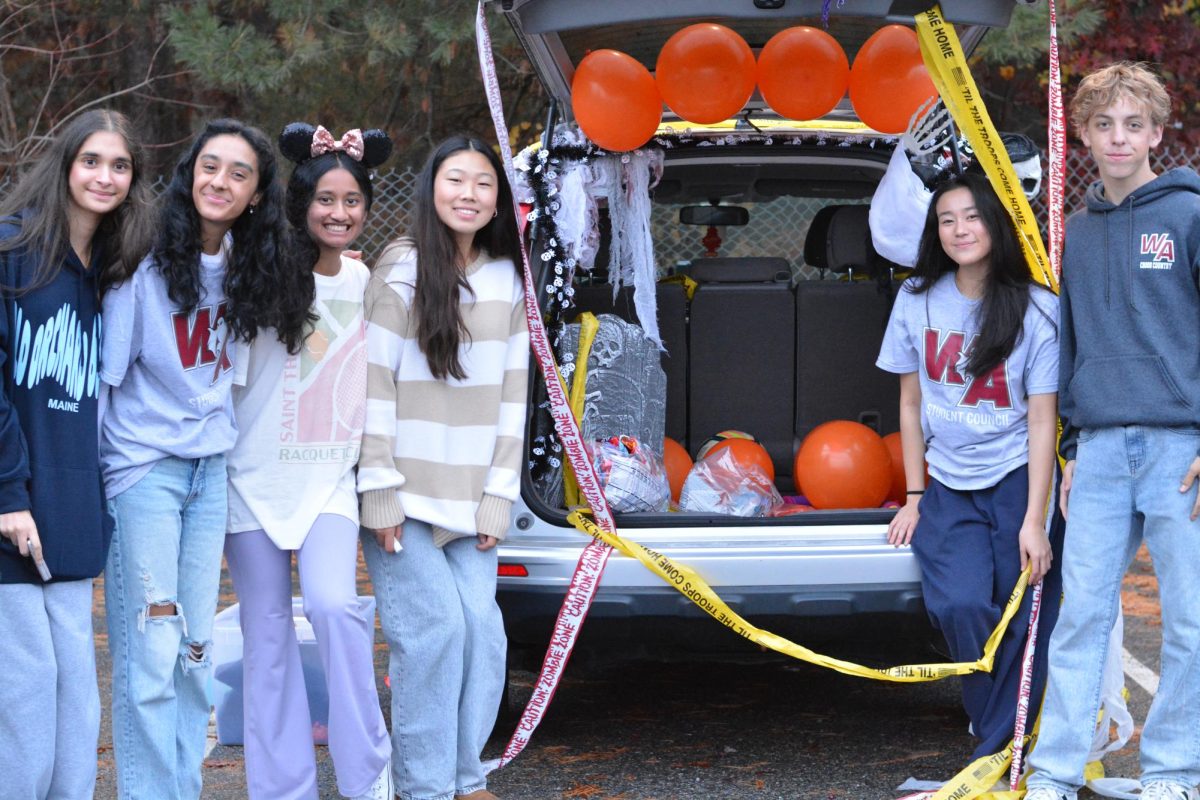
pixel 79 214
pixel 448 354
pixel 975 342
pixel 291 488
pixel 213 277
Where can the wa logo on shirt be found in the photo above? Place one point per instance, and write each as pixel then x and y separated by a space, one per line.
pixel 202 338
pixel 1161 249
pixel 944 353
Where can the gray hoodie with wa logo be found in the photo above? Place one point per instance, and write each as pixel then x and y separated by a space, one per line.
pixel 1130 309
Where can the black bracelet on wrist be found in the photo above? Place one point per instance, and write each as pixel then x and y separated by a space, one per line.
pixel 915 491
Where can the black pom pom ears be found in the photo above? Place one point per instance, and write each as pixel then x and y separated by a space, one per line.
pixel 295 141
pixel 377 148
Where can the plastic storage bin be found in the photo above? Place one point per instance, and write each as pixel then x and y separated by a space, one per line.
pixel 227 671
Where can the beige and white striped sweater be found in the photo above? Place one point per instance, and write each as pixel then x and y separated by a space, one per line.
pixel 446 452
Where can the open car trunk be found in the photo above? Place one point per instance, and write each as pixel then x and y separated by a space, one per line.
pixel 780 332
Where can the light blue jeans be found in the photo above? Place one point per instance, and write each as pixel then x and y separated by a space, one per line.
pixel 1126 487
pixel 166 551
pixel 49 701
pixel 445 634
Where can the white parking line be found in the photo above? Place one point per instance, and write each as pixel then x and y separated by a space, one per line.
pixel 212 734
pixel 1142 675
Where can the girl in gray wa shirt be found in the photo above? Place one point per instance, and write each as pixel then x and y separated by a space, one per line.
pixel 212 277
pixel 975 343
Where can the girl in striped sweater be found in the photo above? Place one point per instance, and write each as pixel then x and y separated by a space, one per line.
pixel 448 353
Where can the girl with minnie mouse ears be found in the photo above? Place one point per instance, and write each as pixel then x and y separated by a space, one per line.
pixel 291 488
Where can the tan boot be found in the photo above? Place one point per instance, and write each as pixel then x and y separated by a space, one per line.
pixel 478 794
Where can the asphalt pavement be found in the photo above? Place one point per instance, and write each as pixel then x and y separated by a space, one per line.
pixel 763 729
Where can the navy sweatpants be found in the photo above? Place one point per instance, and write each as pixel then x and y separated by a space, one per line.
pixel 966 544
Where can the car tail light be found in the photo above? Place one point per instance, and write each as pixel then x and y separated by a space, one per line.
pixel 512 571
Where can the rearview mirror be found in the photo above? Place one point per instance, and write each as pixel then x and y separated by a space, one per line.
pixel 714 216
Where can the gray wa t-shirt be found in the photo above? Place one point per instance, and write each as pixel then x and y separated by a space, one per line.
pixel 171 374
pixel 976 430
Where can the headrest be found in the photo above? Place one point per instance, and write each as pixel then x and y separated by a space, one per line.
pixel 839 240
pixel 750 269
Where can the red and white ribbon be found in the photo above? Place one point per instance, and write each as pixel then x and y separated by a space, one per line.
pixel 1057 139
pixel 590 566
pixel 1026 687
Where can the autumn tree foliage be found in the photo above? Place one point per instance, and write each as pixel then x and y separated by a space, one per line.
pixel 407 66
pixel 61 57
pixel 1012 64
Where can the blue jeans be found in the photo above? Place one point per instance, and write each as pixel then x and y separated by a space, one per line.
pixel 49 701
pixel 445 635
pixel 166 553
pixel 1126 488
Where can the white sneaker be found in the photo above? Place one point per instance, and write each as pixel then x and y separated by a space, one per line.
pixel 1046 793
pixel 1167 790
pixel 382 788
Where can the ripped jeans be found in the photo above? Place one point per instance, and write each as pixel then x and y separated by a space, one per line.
pixel 160 593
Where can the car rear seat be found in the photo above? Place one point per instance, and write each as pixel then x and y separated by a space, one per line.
pixel 839 329
pixel 672 327
pixel 742 353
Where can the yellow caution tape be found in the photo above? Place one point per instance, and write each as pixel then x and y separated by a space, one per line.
pixel 978 778
pixel 688 583
pixel 689 283
pixel 588 325
pixel 947 66
pixel 736 125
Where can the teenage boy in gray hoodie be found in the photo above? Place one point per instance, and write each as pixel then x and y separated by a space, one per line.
pixel 1129 396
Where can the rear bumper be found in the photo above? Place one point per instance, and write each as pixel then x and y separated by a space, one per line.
pixel 837 585
pixel 660 623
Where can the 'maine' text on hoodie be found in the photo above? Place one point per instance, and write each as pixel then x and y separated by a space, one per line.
pixel 49 392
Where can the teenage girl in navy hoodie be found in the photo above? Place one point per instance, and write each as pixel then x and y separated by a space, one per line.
pixel 75 218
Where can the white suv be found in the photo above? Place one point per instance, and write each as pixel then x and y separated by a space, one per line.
pixel 775 340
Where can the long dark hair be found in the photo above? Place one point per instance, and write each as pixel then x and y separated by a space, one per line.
pixel 261 292
pixel 300 251
pixel 295 142
pixel 1009 281
pixel 44 196
pixel 440 327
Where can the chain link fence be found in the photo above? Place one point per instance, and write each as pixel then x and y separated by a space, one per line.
pixel 776 228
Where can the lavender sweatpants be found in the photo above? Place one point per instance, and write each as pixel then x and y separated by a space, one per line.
pixel 280 764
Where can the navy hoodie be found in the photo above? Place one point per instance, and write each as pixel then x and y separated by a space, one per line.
pixel 1130 310
pixel 49 460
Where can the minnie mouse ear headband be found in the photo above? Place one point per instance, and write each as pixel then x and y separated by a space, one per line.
pixel 300 141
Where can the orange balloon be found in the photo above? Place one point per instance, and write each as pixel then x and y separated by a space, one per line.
pixel 705 72
pixel 899 490
pixel 803 72
pixel 843 464
pixel 747 453
pixel 616 100
pixel 888 81
pixel 678 464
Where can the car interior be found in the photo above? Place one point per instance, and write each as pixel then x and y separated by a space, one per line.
pixel 757 349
